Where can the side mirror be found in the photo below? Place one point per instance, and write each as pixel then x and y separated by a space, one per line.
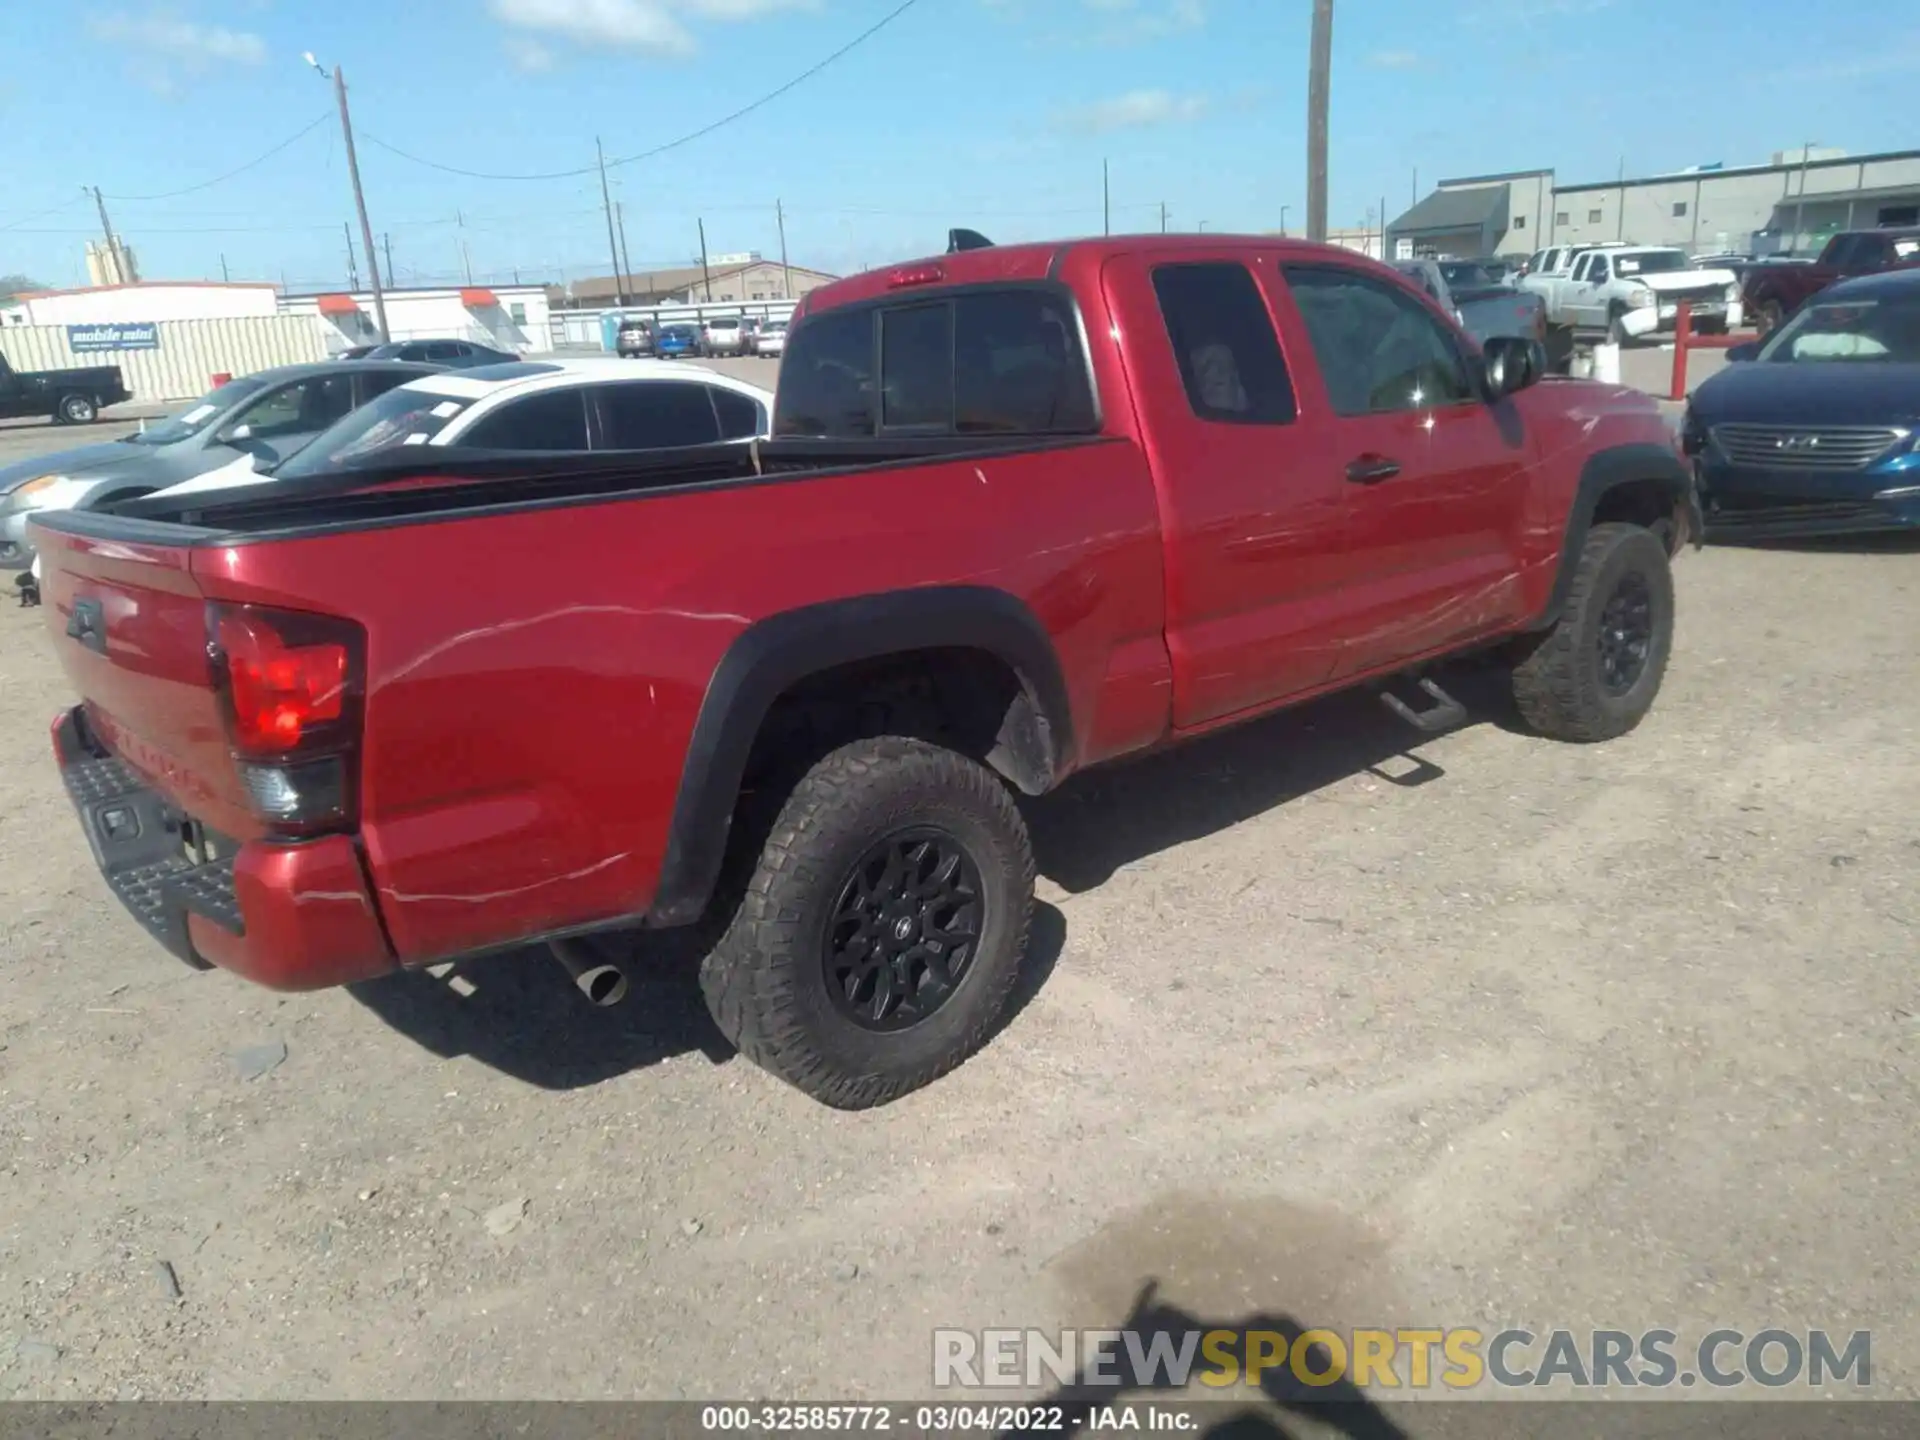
pixel 1512 363
pixel 1746 350
pixel 240 432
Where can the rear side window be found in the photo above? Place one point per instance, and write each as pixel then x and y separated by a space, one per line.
pixel 826 380
pixel 552 420
pixel 976 362
pixel 1224 343
pixel 740 417
pixel 655 415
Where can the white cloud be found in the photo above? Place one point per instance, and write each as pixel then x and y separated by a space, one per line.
pixel 654 26
pixel 528 55
pixel 1135 110
pixel 167 37
pixel 1394 60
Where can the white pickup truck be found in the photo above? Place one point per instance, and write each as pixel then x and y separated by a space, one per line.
pixel 1632 291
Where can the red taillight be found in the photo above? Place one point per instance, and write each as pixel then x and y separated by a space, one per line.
pixel 916 275
pixel 292 686
pixel 279 692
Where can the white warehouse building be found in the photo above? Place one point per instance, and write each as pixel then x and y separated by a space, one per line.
pixel 141 303
pixel 507 317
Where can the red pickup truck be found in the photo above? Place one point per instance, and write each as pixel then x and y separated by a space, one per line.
pixel 1026 510
pixel 1770 293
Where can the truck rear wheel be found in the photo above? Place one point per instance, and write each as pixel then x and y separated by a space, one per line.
pixel 1595 674
pixel 76 409
pixel 882 930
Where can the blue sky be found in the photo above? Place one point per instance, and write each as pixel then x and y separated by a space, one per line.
pixel 990 113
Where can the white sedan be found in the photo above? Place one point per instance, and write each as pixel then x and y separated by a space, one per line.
pixel 532 406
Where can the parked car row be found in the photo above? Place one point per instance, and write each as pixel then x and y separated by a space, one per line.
pixel 300 422
pixel 719 336
pixel 1630 292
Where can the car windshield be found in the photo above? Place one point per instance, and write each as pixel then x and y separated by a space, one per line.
pixel 197 416
pixel 1463 276
pixel 1650 262
pixel 723 324
pixel 401 417
pixel 1887 331
pixel 678 332
pixel 774 327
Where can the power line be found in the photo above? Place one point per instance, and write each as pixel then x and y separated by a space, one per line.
pixel 42 214
pixel 301 134
pixel 705 130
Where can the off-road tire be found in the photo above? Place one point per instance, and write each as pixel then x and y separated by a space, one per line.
pixel 1616 327
pixel 74 408
pixel 765 979
pixel 1558 684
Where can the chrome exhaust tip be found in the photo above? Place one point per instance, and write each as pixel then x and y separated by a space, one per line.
pixel 601 983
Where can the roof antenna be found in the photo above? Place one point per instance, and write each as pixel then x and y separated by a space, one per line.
pixel 958 240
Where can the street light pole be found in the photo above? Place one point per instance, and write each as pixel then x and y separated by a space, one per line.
pixel 339 78
pixel 1319 75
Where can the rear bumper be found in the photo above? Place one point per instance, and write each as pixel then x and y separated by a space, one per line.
pixel 288 916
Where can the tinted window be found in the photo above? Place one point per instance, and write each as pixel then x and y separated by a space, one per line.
pixel 1223 340
pixel 1018 369
pixel 655 414
pixel 1599 272
pixel 740 417
pixel 916 367
pixel 552 420
pixel 1379 349
pixel 826 380
pixel 304 406
pixel 379 382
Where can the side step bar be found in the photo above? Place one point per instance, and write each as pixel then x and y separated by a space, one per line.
pixel 1444 714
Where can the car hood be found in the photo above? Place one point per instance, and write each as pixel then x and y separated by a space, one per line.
pixel 1667 281
pixel 1827 392
pixel 86 460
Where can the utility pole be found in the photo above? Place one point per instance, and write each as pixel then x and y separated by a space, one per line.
pixel 1163 217
pixel 1383 228
pixel 1106 202
pixel 1799 208
pixel 225 278
pixel 786 270
pixel 705 271
pixel 1413 195
pixel 1319 82
pixel 1283 220
pixel 339 78
pixel 386 244
pixel 466 260
pixel 353 270
pixel 626 263
pixel 606 203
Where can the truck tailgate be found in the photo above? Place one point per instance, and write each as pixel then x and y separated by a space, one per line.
pixel 129 625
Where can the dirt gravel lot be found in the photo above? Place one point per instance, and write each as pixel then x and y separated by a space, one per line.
pixel 1327 1022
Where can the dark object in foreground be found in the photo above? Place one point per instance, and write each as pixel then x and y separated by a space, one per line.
pixel 29 589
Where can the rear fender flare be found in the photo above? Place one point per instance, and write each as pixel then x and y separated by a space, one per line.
pixel 1607 470
pixel 772 655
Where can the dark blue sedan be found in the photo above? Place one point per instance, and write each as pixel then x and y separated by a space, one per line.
pixel 1813 432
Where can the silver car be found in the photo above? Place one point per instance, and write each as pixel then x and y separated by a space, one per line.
pixel 725 335
pixel 269 416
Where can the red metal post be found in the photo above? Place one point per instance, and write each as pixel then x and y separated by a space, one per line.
pixel 1682 333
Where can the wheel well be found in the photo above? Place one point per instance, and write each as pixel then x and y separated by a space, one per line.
pixel 968 700
pixel 1645 503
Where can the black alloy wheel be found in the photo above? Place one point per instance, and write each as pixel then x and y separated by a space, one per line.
pixel 903 932
pixel 1625 638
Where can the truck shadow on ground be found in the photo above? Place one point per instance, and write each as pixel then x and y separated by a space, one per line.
pixel 1339 1406
pixel 1116 815
pixel 518 1013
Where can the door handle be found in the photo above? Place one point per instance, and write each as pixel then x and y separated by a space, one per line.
pixel 1372 469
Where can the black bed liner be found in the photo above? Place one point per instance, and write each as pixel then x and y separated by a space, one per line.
pixel 487 484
